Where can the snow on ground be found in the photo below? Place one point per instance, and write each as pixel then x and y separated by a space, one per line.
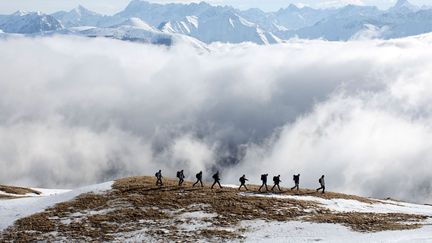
pixel 49 192
pixel 43 193
pixel 348 205
pixel 11 210
pixel 296 231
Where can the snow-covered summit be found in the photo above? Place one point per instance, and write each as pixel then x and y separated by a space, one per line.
pixel 79 16
pixel 135 22
pixel 404 6
pixel 29 22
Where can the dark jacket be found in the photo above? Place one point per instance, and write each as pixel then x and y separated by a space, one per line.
pixel 296 179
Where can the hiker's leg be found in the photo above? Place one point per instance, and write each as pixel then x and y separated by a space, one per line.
pixel 279 188
pixel 260 187
pixel 214 183
pixel 194 184
pixel 219 184
pixel 201 183
pixel 273 187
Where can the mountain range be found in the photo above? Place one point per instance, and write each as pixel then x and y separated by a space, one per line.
pixel 204 23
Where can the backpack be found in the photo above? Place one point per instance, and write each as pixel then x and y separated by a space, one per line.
pixel 240 179
pixel 156 174
pixel 197 176
pixel 263 177
pixel 178 174
pixel 215 176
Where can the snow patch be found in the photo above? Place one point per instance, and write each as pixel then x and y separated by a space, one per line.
pixel 348 205
pixel 11 210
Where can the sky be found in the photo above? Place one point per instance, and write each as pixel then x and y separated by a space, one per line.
pixel 113 6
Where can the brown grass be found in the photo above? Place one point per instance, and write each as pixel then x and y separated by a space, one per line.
pixel 371 222
pixel 5 197
pixel 17 190
pixel 136 204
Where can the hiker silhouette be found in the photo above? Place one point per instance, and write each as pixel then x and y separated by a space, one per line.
pixel 296 179
pixel 322 183
pixel 216 179
pixel 264 182
pixel 199 179
pixel 242 182
pixel 180 176
pixel 159 178
pixel 276 181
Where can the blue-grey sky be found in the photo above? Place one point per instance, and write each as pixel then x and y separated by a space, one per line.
pixel 113 6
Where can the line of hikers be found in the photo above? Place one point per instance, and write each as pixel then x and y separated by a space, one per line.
pixel 242 179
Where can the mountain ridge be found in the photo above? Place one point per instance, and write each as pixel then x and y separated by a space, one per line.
pixel 134 209
pixel 208 23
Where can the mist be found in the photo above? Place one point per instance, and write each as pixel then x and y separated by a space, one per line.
pixel 76 111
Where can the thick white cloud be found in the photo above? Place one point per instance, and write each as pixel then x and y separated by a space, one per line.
pixel 75 111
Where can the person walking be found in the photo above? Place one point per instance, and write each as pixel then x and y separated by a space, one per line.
pixel 243 182
pixel 296 179
pixel 276 181
pixel 264 182
pixel 216 179
pixel 199 179
pixel 322 183
pixel 159 178
pixel 180 176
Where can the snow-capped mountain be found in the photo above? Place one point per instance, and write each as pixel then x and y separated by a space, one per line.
pixel 134 29
pixel 342 25
pixel 79 16
pixel 202 21
pixel 207 23
pixel 404 6
pixel 29 23
pixel 227 27
pixel 351 21
pixel 155 14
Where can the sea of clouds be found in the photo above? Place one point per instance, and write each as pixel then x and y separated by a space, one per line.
pixel 76 111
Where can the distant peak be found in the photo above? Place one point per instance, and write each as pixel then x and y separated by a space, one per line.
pixel 138 2
pixel 80 9
pixel 20 13
pixel 292 6
pixel 403 3
pixel 400 3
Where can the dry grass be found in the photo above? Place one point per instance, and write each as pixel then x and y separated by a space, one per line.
pixel 17 190
pixel 371 222
pixel 136 204
pixel 5 197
